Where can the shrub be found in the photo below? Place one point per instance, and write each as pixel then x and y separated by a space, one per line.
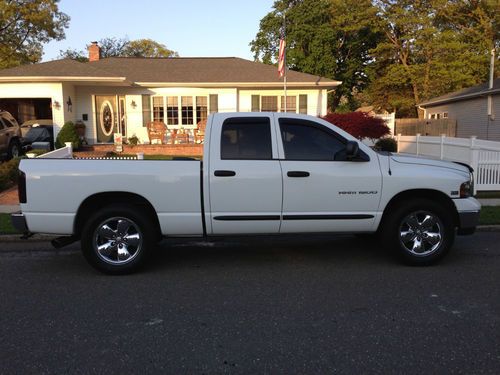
pixel 359 124
pixel 8 174
pixel 133 141
pixel 387 144
pixel 68 133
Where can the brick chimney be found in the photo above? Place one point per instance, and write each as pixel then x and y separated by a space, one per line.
pixel 94 52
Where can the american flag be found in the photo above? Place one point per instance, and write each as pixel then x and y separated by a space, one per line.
pixel 281 57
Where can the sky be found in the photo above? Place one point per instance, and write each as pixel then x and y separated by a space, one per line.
pixel 190 27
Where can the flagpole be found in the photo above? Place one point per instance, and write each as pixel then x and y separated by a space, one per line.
pixel 284 57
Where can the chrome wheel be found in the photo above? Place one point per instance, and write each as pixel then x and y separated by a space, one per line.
pixel 118 240
pixel 421 233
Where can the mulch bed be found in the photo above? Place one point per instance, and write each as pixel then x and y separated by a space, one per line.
pixel 9 196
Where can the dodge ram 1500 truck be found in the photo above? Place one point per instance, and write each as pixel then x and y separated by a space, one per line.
pixel 261 173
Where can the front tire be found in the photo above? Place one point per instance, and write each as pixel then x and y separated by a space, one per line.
pixel 118 239
pixel 420 232
pixel 14 150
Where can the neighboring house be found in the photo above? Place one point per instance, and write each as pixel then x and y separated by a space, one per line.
pixel 469 107
pixel 114 95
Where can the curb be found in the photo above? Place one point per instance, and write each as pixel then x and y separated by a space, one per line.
pixel 34 238
pixel 488 228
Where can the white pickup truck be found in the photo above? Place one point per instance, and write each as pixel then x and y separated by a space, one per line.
pixel 261 173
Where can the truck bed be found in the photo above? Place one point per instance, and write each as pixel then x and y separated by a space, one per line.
pixel 56 188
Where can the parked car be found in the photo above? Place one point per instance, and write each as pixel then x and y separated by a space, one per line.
pixel 37 131
pixel 261 173
pixel 10 136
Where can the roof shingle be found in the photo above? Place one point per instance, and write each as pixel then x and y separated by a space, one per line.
pixel 168 70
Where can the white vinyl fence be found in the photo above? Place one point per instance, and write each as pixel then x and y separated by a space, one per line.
pixel 483 156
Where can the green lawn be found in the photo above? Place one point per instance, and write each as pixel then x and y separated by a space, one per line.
pixel 5 225
pixel 489 216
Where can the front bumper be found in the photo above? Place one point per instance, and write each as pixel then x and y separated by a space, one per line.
pixel 19 222
pixel 468 222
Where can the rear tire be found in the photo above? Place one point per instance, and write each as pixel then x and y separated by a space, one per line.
pixel 118 239
pixel 420 232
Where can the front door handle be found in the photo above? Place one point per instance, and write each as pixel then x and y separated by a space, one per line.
pixel 298 174
pixel 221 173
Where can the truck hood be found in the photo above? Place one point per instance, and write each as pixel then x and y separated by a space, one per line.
pixel 413 159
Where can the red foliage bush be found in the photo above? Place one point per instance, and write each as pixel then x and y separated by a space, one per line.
pixel 359 124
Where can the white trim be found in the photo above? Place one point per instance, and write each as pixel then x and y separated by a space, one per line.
pixel 61 79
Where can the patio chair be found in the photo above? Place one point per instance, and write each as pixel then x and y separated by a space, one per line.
pixel 156 131
pixel 180 136
pixel 199 133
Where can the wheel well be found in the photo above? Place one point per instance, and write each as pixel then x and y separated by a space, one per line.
pixel 100 200
pixel 434 195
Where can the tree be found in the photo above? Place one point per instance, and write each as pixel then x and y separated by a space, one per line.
pixel 425 53
pixel 330 38
pixel 25 26
pixel 122 47
pixel 147 48
pixel 359 124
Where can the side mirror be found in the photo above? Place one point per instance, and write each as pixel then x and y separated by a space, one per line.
pixel 351 150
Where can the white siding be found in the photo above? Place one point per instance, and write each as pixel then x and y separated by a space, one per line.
pixel 316 99
pixel 472 117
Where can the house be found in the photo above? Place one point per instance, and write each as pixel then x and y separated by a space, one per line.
pixel 122 95
pixel 470 108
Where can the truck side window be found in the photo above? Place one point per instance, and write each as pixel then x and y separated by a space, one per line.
pixel 306 140
pixel 246 138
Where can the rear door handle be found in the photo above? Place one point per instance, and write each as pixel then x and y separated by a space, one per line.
pixel 298 174
pixel 220 173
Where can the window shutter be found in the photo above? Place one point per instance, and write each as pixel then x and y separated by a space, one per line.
pixel 255 103
pixel 214 103
pixel 303 104
pixel 146 110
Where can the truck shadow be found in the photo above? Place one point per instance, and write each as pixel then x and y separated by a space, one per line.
pixel 269 249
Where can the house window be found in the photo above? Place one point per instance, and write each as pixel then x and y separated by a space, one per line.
pixel 158 108
pixel 432 116
pixel 269 104
pixel 146 110
pixel 214 103
pixel 255 103
pixel 303 104
pixel 187 110
pixel 172 110
pixel 201 108
pixel 291 103
pixel 445 114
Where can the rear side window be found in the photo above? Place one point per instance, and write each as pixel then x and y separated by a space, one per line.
pixel 305 140
pixel 246 138
pixel 8 120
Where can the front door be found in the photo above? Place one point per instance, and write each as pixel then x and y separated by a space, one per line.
pixel 106 118
pixel 245 175
pixel 322 191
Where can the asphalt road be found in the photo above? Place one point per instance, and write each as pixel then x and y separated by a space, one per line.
pixel 281 306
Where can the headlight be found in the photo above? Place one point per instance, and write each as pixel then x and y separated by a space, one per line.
pixel 467 188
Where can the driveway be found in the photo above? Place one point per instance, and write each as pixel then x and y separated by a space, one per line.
pixel 293 306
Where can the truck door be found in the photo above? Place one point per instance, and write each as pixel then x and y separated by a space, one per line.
pixel 322 191
pixel 245 183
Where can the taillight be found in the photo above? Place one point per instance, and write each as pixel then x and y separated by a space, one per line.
pixel 21 187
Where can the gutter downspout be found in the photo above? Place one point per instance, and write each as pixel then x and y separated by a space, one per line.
pixel 491 115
